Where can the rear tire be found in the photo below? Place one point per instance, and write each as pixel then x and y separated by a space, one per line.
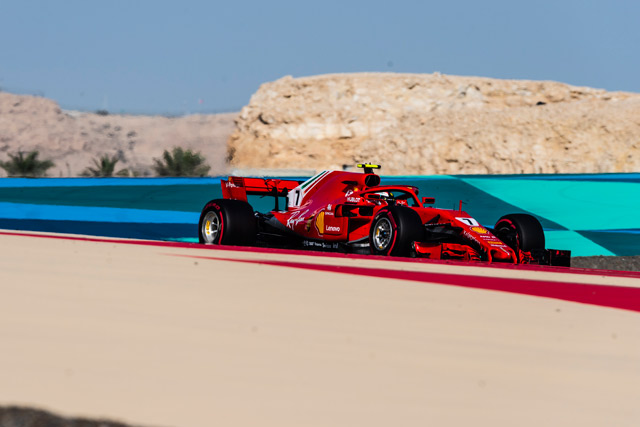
pixel 227 222
pixel 521 232
pixel 393 230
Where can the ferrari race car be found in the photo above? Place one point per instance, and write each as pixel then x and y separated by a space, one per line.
pixel 351 212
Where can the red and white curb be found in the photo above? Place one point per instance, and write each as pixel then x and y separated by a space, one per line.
pixel 605 288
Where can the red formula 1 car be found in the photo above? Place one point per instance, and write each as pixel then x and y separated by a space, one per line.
pixel 352 212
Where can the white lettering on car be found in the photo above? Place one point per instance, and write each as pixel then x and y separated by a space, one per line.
pixel 470 236
pixel 296 218
pixel 332 228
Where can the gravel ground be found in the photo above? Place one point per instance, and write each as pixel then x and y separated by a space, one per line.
pixel 624 263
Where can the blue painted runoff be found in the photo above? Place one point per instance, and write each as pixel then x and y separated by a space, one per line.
pixel 591 214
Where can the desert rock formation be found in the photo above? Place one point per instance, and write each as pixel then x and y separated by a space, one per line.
pixel 411 123
pixel 437 124
pixel 73 139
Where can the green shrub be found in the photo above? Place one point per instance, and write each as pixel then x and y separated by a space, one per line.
pixel 26 165
pixel 181 163
pixel 104 167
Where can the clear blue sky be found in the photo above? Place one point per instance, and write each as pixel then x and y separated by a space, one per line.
pixel 176 57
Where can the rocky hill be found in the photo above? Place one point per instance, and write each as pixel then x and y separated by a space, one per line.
pixel 73 139
pixel 437 124
pixel 411 123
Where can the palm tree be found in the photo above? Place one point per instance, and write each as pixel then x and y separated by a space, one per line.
pixel 181 163
pixel 104 166
pixel 26 165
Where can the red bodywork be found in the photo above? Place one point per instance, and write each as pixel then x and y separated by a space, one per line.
pixel 339 206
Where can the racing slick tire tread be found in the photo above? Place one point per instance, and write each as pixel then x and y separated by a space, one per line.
pixel 521 232
pixel 406 228
pixel 238 225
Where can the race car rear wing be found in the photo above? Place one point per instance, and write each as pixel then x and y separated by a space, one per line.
pixel 238 188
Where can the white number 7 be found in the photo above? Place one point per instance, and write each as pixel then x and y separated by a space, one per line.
pixel 468 221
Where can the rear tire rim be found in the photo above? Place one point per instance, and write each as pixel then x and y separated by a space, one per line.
pixel 382 234
pixel 210 227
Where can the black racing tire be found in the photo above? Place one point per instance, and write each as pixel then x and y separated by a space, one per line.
pixel 393 230
pixel 227 222
pixel 520 232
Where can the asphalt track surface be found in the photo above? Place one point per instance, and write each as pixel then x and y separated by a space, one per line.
pixel 177 334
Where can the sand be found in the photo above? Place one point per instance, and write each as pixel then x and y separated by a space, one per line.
pixel 153 336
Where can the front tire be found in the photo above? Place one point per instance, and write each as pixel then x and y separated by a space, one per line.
pixel 521 232
pixel 393 230
pixel 227 222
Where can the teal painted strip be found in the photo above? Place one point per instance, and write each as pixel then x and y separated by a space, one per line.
pixel 621 177
pixel 481 205
pixel 95 214
pixel 184 239
pixel 416 178
pixel 589 205
pixel 576 243
pixel 620 242
pixel 576 205
pixel 189 198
